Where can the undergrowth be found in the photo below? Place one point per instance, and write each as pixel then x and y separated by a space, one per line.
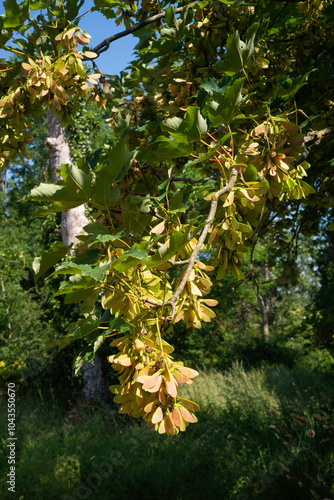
pixel 263 433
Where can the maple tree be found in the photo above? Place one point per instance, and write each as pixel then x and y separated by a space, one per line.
pixel 210 131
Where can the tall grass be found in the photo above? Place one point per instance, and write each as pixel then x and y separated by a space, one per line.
pixel 245 445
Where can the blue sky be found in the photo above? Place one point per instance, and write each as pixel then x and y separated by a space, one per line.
pixel 119 54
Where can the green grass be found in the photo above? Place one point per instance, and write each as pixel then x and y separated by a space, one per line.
pixel 245 445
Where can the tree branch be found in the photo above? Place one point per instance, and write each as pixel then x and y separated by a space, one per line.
pixel 103 46
pixel 318 135
pixel 209 220
pixel 314 135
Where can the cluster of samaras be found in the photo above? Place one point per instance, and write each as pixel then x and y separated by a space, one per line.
pixel 42 80
pixel 149 383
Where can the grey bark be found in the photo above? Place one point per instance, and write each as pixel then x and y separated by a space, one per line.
pixel 72 222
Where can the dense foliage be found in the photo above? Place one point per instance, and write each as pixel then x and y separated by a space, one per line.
pixel 211 129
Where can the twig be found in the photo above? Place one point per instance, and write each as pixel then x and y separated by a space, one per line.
pixel 190 181
pixel 151 212
pixel 178 262
pixel 133 237
pixel 243 181
pixel 298 111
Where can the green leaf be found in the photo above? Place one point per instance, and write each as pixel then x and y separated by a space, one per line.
pixel 16 14
pixel 94 158
pixel 96 229
pixel 39 4
pixel 119 160
pixel 166 150
pixel 72 8
pixel 170 16
pixel 70 268
pixel 175 126
pixel 87 354
pixel 196 126
pixel 129 259
pixel 233 62
pixel 49 258
pixel 75 177
pixel 96 272
pixel 82 329
pixel 119 324
pixel 232 100
pixel 105 238
pixel 294 85
pixel 250 46
pixel 76 291
pixel 5 35
pixel 177 242
pixel 74 190
pixel 89 257
pixel 239 53
pixel 210 87
pixel 224 112
pixel 103 194
pixel 192 128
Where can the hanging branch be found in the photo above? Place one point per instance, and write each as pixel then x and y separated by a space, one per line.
pixel 209 220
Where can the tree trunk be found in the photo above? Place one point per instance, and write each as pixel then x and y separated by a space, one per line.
pixel 72 222
pixel 96 386
pixel 266 305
